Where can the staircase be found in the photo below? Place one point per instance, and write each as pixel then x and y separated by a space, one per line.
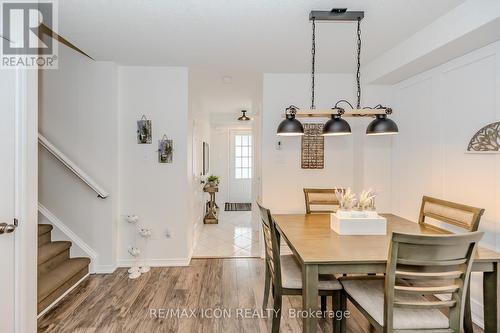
pixel 57 272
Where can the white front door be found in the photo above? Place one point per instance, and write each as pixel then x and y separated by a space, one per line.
pixel 240 166
pixel 7 198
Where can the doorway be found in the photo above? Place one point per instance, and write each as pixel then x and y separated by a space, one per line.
pixel 240 170
pixel 219 99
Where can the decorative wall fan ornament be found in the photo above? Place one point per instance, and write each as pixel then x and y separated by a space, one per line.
pixel 487 139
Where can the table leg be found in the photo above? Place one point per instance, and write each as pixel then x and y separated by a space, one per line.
pixel 491 297
pixel 310 297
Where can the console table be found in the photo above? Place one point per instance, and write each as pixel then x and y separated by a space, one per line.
pixel 211 208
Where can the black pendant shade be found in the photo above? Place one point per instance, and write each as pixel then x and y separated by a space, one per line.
pixel 290 126
pixel 382 126
pixel 336 126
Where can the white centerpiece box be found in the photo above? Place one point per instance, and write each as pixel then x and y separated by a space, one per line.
pixel 358 223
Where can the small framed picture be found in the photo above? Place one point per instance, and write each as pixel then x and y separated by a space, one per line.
pixel 144 131
pixel 165 150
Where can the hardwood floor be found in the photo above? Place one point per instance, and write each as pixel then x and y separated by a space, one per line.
pixel 113 303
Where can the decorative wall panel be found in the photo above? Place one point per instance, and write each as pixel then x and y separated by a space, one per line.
pixel 313 147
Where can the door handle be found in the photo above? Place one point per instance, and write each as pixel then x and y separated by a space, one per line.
pixel 7 228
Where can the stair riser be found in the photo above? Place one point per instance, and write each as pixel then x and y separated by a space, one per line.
pixel 53 262
pixel 44 239
pixel 62 289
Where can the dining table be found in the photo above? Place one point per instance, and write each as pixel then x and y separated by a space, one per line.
pixel 320 250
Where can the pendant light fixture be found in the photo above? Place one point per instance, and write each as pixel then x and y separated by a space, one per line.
pixel 382 126
pixel 290 126
pixel 336 126
pixel 243 116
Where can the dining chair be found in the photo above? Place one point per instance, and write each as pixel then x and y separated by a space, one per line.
pixel 284 274
pixel 459 215
pixel 418 267
pixel 455 214
pixel 322 197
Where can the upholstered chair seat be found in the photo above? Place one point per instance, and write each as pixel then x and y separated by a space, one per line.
pixel 291 276
pixel 369 294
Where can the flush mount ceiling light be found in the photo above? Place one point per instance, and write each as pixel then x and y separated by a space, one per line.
pixel 243 116
pixel 381 125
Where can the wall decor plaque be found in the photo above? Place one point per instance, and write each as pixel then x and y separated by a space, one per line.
pixel 165 150
pixel 313 147
pixel 487 139
pixel 144 130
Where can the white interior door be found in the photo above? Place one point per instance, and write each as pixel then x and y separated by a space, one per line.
pixel 7 198
pixel 240 166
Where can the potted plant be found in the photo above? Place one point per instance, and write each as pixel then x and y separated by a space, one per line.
pixel 213 181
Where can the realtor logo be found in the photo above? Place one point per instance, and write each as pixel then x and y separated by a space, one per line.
pixel 26 34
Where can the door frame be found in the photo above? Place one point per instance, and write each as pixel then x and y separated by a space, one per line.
pixel 231 133
pixel 26 200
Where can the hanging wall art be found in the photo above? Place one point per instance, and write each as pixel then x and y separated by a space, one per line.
pixel 165 150
pixel 313 147
pixel 144 130
pixel 486 140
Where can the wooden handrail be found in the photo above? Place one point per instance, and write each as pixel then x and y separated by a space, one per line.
pixel 101 193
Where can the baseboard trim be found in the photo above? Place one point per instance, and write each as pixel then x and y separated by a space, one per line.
pixel 62 296
pixel 105 269
pixel 71 235
pixel 155 262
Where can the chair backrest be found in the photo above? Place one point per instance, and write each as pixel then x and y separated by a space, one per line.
pixel 429 265
pixel 323 197
pixel 463 216
pixel 272 245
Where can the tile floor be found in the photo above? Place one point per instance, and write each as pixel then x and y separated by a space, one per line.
pixel 232 237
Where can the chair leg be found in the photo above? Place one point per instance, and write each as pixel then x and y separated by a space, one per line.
pixel 336 306
pixel 467 313
pixel 323 304
pixel 277 312
pixel 343 307
pixel 267 286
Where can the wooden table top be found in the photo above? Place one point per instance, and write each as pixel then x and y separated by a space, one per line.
pixel 313 241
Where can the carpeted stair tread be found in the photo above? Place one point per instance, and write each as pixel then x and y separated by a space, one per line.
pixel 52 280
pixel 44 228
pixel 52 249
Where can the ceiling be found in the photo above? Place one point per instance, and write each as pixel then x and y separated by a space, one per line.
pixel 228 92
pixel 249 35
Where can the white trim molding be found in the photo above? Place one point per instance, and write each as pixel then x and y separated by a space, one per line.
pixel 175 262
pixel 94 257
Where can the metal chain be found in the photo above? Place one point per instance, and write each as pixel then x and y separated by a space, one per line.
pixel 313 63
pixel 358 72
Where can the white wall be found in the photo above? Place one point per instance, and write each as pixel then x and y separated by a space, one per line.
pixel 354 161
pixel 219 161
pixel 157 193
pixel 78 113
pixel 198 132
pixel 437 113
